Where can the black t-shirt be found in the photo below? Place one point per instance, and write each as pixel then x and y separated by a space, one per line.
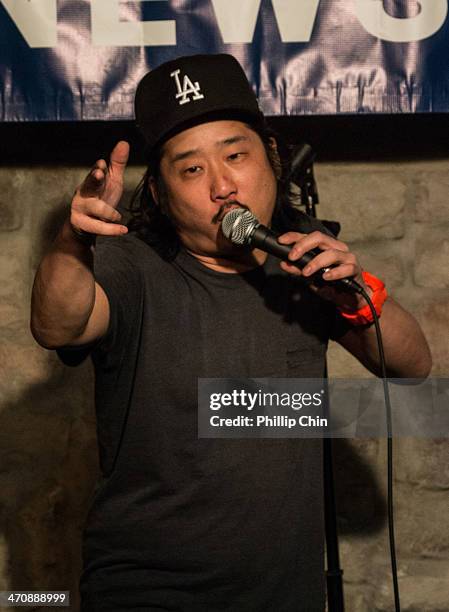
pixel 181 523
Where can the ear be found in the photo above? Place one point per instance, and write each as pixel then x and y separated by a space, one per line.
pixel 159 195
pixel 275 158
pixel 152 186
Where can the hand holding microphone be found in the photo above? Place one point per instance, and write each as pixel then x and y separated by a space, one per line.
pixel 319 258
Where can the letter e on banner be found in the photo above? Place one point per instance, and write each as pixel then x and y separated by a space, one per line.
pixel 36 20
pixel 109 31
pixel 374 18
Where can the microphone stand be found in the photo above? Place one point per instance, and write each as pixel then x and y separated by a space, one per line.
pixel 334 574
pixel 301 174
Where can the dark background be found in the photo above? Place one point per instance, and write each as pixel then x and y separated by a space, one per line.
pixel 333 138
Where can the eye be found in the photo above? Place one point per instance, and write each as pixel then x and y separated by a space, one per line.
pixel 192 170
pixel 237 156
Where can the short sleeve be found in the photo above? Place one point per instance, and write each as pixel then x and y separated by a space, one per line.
pixel 117 271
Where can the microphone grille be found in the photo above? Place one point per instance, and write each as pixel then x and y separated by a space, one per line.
pixel 238 224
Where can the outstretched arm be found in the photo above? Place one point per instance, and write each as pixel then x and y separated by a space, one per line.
pixel 67 306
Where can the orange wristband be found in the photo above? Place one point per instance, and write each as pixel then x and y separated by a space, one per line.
pixel 364 316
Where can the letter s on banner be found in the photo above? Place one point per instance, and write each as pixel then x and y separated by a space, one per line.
pixel 374 18
pixel 36 20
pixel 109 31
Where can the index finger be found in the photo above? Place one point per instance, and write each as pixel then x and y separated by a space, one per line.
pixel 118 159
pixel 290 237
pixel 315 239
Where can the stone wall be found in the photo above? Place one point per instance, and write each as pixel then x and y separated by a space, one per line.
pixel 396 216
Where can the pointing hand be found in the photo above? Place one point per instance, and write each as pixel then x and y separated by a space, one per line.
pixel 94 204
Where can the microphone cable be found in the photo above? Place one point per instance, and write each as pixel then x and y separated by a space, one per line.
pixel 386 390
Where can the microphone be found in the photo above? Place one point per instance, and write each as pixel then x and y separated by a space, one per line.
pixel 241 227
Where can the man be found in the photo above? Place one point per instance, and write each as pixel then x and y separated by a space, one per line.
pixel 181 523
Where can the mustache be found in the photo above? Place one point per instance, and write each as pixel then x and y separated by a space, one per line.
pixel 218 218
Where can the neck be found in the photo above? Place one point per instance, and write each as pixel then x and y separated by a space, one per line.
pixel 244 263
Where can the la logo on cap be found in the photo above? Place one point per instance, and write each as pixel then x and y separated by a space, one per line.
pixel 187 88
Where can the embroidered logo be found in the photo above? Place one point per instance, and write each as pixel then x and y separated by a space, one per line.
pixel 187 88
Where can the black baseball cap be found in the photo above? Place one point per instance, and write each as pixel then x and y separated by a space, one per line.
pixel 190 90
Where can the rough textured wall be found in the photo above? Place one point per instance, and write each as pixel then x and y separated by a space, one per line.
pixel 396 216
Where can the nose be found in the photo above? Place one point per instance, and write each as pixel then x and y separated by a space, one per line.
pixel 222 184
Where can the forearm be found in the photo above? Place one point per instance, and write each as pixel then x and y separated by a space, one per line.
pixel 63 294
pixel 407 353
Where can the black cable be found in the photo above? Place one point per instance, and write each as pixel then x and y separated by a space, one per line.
pixel 301 173
pixel 394 570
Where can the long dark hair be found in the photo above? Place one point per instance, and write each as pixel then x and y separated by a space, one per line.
pixel 151 224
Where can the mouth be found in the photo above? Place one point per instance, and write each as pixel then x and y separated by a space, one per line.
pixel 225 208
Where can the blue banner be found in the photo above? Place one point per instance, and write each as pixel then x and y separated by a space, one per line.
pixel 81 60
